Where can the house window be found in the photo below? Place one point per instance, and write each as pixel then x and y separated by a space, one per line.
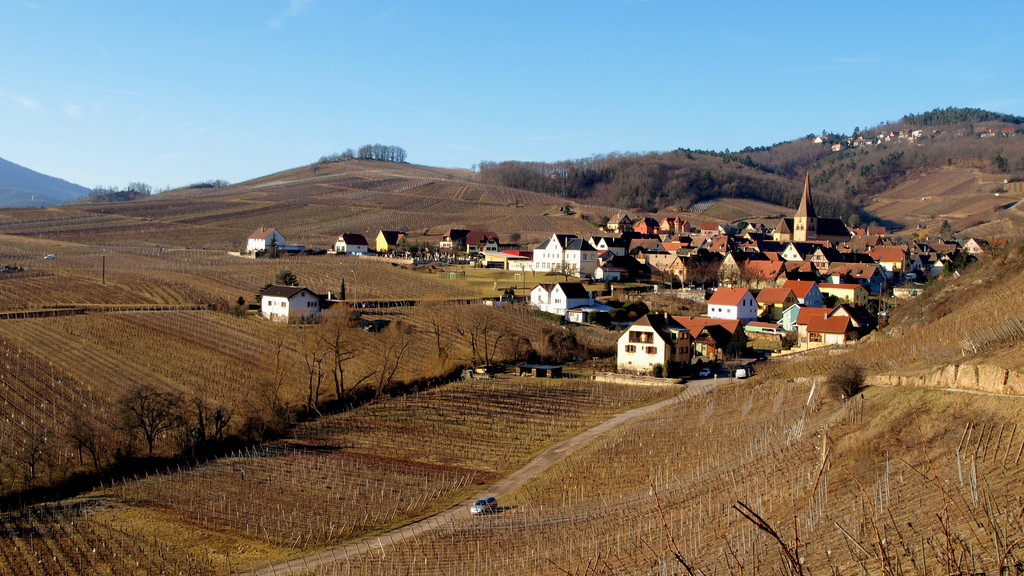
pixel 630 349
pixel 641 337
pixel 651 350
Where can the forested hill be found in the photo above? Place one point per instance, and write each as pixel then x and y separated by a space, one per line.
pixel 846 170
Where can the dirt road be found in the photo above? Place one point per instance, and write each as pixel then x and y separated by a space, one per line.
pixel 500 489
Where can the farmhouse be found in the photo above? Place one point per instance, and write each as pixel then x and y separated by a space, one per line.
pixel 263 239
pixel 289 304
pixel 653 340
pixel 481 241
pixel 388 240
pixel 351 244
pixel 560 297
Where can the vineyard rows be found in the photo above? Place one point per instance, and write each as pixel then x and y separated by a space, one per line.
pixel 66 540
pixel 373 467
pixel 628 504
pixel 298 498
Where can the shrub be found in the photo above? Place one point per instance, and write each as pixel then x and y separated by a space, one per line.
pixel 846 380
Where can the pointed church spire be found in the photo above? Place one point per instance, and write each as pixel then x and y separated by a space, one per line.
pixel 806 209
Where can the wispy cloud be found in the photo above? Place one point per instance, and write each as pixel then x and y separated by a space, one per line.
pixel 295 8
pixel 74 110
pixel 25 102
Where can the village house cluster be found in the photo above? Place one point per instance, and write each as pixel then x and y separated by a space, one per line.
pixel 810 279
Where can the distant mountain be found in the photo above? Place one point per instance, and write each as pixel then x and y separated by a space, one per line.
pixel 20 187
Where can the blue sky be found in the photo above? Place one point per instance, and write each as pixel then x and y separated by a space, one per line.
pixel 169 93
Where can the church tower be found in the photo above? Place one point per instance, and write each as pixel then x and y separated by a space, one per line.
pixel 805 221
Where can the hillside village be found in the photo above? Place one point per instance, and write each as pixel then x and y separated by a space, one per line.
pixel 809 282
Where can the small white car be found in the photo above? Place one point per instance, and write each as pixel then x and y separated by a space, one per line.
pixel 484 506
pixel 49 257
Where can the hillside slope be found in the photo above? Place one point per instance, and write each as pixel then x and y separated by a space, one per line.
pixel 20 186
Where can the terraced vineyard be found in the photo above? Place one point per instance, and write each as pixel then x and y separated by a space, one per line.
pixel 376 466
pixel 846 487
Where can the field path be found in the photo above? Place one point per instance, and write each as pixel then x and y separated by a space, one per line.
pixel 500 489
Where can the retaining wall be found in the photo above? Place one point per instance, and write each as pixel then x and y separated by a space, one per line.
pixel 980 377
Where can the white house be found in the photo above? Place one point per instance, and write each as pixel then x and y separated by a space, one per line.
pixel 561 297
pixel 566 254
pixel 264 239
pixel 351 244
pixel 289 304
pixel 616 246
pixel 651 340
pixel 733 304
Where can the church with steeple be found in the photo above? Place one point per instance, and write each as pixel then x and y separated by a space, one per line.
pixel 805 226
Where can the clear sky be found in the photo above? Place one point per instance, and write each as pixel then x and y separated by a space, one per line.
pixel 174 92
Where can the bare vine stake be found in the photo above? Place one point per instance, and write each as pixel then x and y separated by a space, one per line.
pixel 1009 443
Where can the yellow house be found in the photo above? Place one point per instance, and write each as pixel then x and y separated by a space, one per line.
pixel 846 293
pixel 772 301
pixel 388 240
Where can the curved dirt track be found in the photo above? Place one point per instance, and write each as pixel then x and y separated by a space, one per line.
pixel 500 489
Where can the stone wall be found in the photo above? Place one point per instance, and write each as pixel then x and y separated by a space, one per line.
pixel 981 377
pixel 635 379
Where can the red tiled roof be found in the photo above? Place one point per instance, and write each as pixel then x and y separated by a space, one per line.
pixel 799 287
pixel 829 325
pixel 261 233
pixel 808 314
pixel 773 295
pixel 762 269
pixel 728 296
pixel 697 323
pixel 888 254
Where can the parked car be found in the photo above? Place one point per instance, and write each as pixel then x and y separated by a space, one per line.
pixel 49 257
pixel 484 506
pixel 744 371
pixel 704 372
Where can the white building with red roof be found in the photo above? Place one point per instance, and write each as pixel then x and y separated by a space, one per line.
pixel 733 304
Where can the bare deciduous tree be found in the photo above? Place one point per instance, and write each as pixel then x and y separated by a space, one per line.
pixel 393 346
pixel 339 334
pixel 439 318
pixel 484 330
pixel 83 438
pixel 150 413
